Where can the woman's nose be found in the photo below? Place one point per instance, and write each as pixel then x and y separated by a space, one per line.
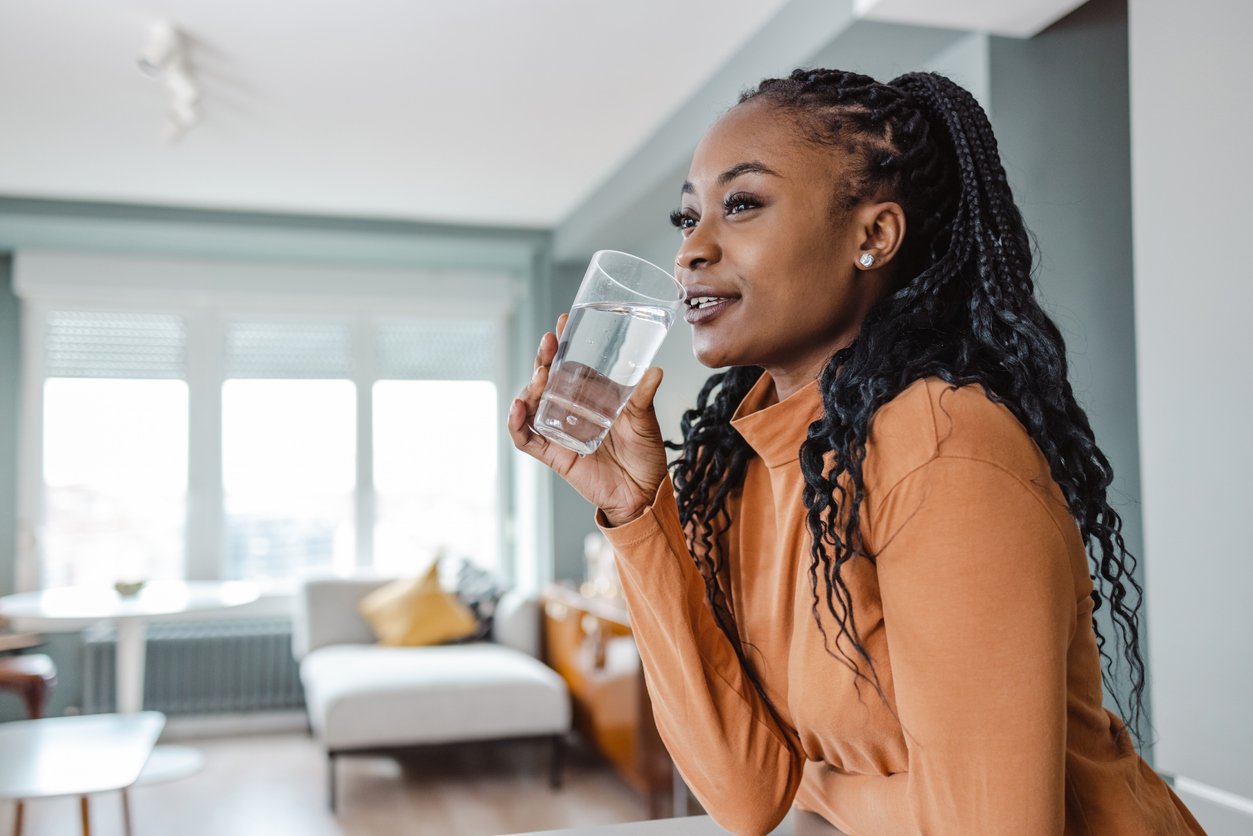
pixel 697 250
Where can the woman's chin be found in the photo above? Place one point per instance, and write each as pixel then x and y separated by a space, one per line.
pixel 714 356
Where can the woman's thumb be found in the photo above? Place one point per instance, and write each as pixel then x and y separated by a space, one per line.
pixel 646 390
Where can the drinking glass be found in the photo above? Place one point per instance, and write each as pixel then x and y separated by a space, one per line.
pixel 621 313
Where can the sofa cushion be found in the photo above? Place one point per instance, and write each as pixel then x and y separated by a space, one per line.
pixel 366 696
pixel 416 611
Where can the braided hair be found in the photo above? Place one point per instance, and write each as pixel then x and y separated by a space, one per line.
pixel 962 307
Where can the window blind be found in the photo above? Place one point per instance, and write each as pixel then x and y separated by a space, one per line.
pixel 106 344
pixel 301 350
pixel 428 350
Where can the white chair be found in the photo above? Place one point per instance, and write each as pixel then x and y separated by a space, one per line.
pixel 365 698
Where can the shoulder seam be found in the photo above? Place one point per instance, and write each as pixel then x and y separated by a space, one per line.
pixel 935 427
pixel 935 437
pixel 1016 477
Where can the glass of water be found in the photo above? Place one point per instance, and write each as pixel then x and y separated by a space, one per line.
pixel 622 312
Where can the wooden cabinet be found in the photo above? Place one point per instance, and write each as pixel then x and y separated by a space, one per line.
pixel 588 641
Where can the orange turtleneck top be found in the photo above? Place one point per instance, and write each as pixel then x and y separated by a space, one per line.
pixel 977 614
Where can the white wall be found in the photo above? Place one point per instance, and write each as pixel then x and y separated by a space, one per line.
pixel 1191 120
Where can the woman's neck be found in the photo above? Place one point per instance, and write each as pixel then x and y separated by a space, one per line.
pixel 791 379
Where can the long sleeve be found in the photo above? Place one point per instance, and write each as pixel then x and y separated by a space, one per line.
pixel 742 766
pixel 979 608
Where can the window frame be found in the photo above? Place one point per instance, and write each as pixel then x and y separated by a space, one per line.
pixel 207 294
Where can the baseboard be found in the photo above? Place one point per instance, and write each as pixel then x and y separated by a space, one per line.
pixel 187 727
pixel 1221 813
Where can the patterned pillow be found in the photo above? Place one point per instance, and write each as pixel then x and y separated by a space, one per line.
pixel 480 590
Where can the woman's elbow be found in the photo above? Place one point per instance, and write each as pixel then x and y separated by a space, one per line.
pixel 748 820
pixel 749 807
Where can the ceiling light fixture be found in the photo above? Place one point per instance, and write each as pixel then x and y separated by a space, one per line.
pixel 164 59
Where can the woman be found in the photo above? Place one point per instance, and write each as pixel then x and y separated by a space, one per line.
pixel 891 485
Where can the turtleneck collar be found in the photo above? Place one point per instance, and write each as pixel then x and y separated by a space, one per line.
pixel 776 429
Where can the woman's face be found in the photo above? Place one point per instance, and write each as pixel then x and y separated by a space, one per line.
pixel 772 264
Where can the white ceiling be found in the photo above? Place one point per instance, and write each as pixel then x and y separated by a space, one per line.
pixel 465 111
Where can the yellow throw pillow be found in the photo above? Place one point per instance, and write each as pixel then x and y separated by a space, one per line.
pixel 416 611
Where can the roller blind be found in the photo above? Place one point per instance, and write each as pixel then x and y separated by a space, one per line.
pixel 429 350
pixel 105 344
pixel 258 348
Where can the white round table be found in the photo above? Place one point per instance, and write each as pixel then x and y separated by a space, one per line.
pixel 77 607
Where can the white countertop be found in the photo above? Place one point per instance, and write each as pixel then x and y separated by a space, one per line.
pixel 796 823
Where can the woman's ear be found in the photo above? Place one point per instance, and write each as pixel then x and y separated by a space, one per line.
pixel 879 229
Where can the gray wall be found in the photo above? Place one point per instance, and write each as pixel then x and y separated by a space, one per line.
pixel 10 368
pixel 1191 119
pixel 1059 106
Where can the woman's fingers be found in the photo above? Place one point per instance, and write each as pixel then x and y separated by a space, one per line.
pixel 547 349
pixel 548 343
pixel 544 356
pixel 522 410
pixel 535 445
pixel 519 424
pixel 520 432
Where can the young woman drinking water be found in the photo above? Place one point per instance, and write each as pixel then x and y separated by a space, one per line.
pixel 864 588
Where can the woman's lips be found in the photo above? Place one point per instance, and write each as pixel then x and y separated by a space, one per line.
pixel 703 314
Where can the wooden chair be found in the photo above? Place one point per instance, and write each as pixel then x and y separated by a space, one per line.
pixel 32 676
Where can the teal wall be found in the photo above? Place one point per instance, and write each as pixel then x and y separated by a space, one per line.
pixel 10 370
pixel 64 649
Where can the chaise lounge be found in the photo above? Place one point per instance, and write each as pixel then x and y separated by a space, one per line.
pixel 366 698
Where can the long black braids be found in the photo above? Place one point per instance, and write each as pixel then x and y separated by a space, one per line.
pixel 963 309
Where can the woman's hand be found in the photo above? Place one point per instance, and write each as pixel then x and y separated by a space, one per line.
pixel 622 476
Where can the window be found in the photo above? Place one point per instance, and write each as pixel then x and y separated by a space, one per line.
pixel 115 476
pixel 435 433
pixel 115 447
pixel 228 438
pixel 289 446
pixel 288 473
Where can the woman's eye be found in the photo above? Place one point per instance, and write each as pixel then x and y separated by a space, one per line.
pixel 682 220
pixel 737 203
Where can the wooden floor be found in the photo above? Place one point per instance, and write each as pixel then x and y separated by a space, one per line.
pixel 275 785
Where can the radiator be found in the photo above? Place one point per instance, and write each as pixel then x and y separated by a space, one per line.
pixel 203 668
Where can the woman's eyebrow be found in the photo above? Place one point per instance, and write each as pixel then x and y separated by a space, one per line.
pixel 751 167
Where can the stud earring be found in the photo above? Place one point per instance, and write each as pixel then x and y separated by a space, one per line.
pixel 867 259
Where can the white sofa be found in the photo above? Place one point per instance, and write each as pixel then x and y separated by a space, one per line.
pixel 364 698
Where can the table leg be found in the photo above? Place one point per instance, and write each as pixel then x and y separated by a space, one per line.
pixel 131 649
pixel 679 801
pixel 126 812
pixel 86 816
pixel 18 815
